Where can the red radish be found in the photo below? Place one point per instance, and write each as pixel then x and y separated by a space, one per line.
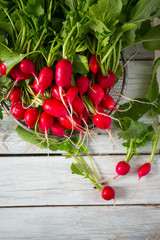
pixel 102 121
pixel 12 73
pixel 37 89
pixel 56 93
pixel 27 66
pixel 15 95
pixel 45 122
pixel 18 111
pixel 108 103
pixel 108 193
pixel 106 81
pixel 3 69
pixel 54 108
pixel 78 106
pixel 122 168
pixel 96 94
pixel 20 75
pixel 82 84
pixel 85 115
pixel 93 64
pixel 144 170
pixel 63 73
pixel 31 116
pixel 71 94
pixel 74 124
pixel 45 78
pixel 58 129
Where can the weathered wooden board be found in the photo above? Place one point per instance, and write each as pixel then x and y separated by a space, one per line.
pixel 139 75
pixel 70 223
pixel 139 53
pixel 26 181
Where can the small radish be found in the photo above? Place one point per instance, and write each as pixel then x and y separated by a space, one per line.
pixel 74 124
pixel 63 73
pixel 71 95
pixel 85 115
pixel 144 170
pixel 82 84
pixel 108 193
pixel 45 122
pixel 18 111
pixel 15 95
pixel 96 94
pixel 93 64
pixel 58 129
pixel 102 121
pixel 12 73
pixel 37 89
pixel 108 103
pixel 106 81
pixel 54 108
pixel 56 94
pixel 20 75
pixel 27 66
pixel 78 106
pixel 45 78
pixel 31 116
pixel 3 69
pixel 122 168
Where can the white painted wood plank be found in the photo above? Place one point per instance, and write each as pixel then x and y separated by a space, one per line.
pixel 140 52
pixel 48 181
pixel 81 223
pixel 139 75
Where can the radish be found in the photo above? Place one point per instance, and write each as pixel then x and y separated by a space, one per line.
pixel 45 122
pixel 144 170
pixel 78 106
pixel 102 121
pixel 3 69
pixel 82 84
pixel 122 168
pixel 20 75
pixel 85 115
pixel 108 103
pixel 12 73
pixel 31 116
pixel 27 66
pixel 37 89
pixel 74 124
pixel 93 64
pixel 45 78
pixel 15 95
pixel 58 129
pixel 108 193
pixel 71 95
pixel 63 73
pixel 96 94
pixel 56 94
pixel 18 111
pixel 106 81
pixel 54 108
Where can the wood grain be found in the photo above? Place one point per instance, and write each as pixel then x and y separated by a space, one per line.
pixel 81 223
pixel 28 181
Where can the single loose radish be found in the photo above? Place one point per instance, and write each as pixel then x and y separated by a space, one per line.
pixel 54 108
pixel 27 66
pixel 102 121
pixel 58 129
pixel 45 122
pixel 122 168
pixel 108 193
pixel 82 84
pixel 78 106
pixel 15 95
pixel 93 64
pixel 45 78
pixel 72 124
pixel 63 73
pixel 18 111
pixel 96 94
pixel 108 103
pixel 31 116
pixel 3 69
pixel 106 81
pixel 144 170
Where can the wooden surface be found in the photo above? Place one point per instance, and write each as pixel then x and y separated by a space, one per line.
pixel 41 199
